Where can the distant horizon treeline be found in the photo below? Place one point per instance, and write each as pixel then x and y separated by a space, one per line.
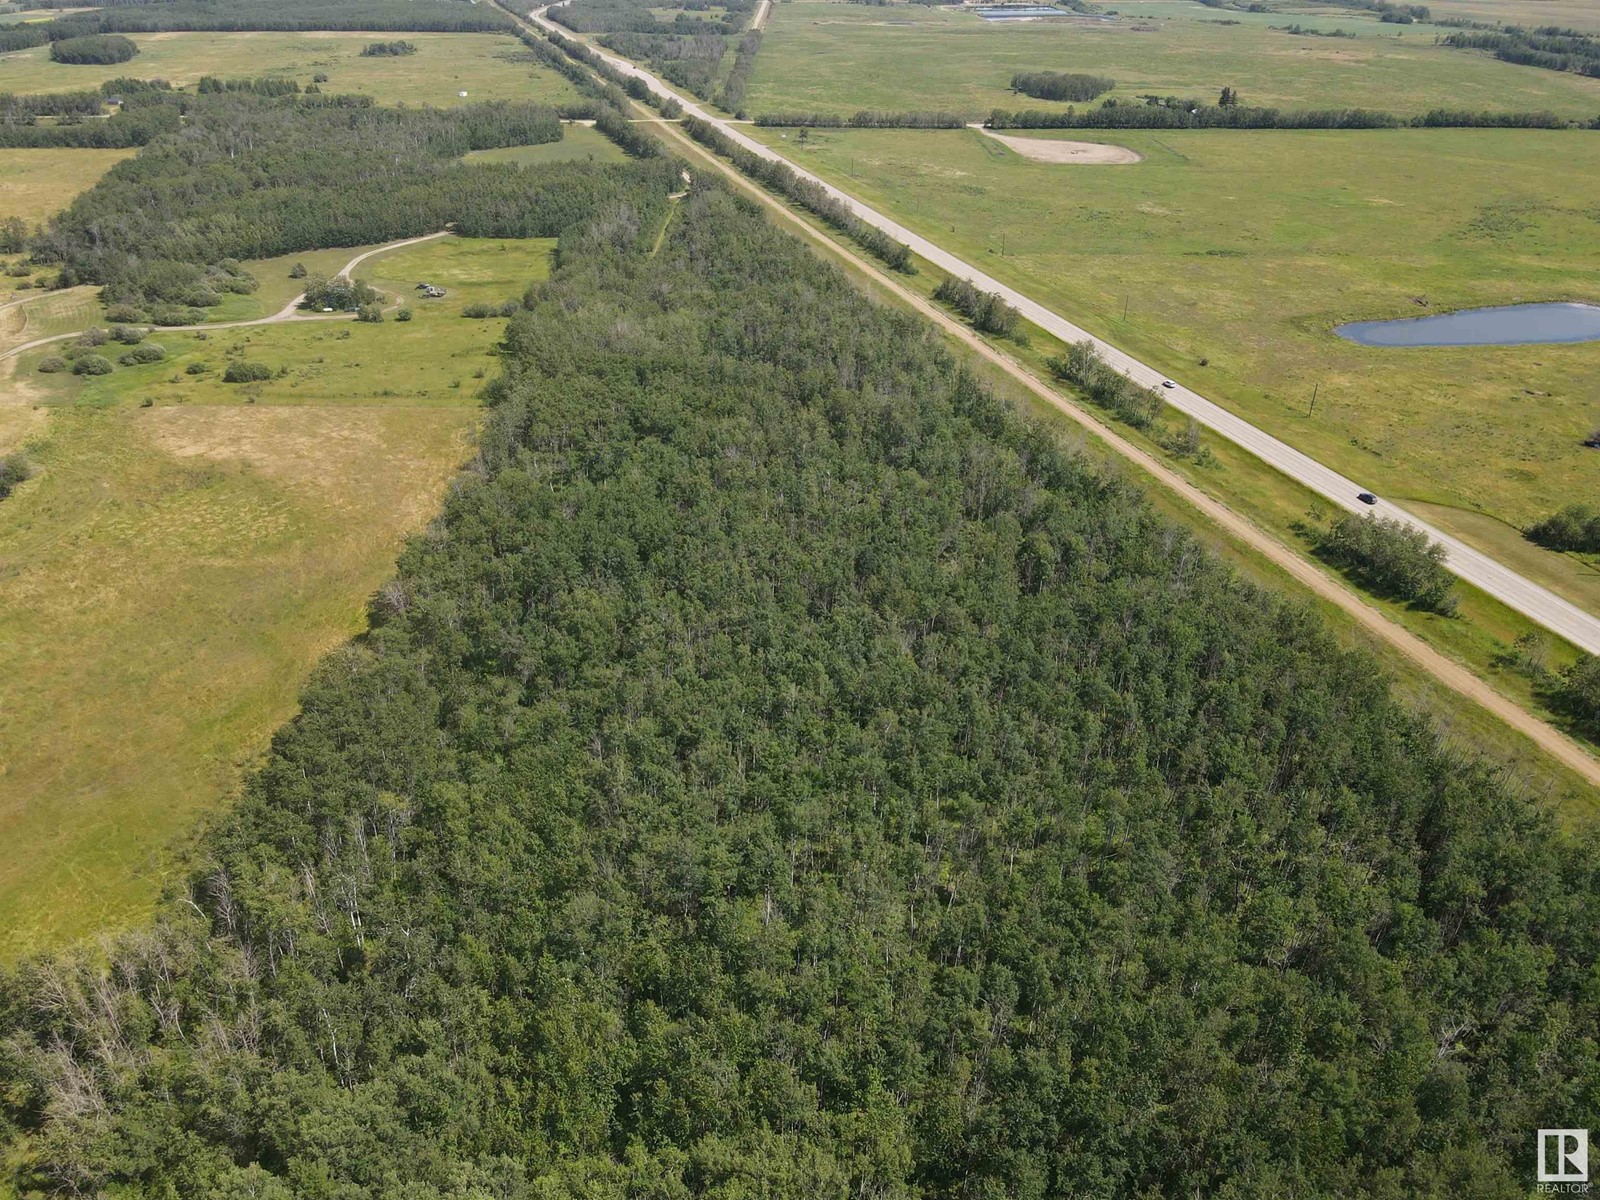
pixel 230 16
pixel 865 119
pixel 634 16
pixel 1206 116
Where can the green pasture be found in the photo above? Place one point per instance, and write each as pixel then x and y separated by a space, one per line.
pixel 838 58
pixel 173 572
pixel 486 66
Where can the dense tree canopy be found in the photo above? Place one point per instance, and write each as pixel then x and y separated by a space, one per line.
pixel 252 177
pixel 96 48
pixel 781 771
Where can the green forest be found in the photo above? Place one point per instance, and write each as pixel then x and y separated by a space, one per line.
pixel 251 176
pixel 782 770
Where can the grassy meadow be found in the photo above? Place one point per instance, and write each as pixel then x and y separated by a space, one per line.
pixel 833 57
pixel 487 66
pixel 35 184
pixel 186 553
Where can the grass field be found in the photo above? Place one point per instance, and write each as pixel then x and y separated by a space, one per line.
pixel 34 184
pixel 172 573
pixel 833 57
pixel 1573 14
pixel 577 142
pixel 1247 248
pixel 486 66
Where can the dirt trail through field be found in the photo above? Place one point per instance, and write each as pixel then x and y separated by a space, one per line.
pixel 287 313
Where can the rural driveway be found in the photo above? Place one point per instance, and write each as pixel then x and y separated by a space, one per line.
pixel 286 313
pixel 1559 616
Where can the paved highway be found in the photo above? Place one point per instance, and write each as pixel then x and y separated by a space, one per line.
pixel 1559 616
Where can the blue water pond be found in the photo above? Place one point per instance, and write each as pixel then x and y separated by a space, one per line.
pixel 1513 325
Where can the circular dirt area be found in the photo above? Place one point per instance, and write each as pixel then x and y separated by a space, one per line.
pixel 1082 153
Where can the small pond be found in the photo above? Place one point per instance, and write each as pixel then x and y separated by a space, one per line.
pixel 1513 325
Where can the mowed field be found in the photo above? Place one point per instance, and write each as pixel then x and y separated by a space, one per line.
pixel 838 58
pixel 485 66
pixel 1246 249
pixel 173 572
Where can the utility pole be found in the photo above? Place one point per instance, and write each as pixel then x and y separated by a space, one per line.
pixel 1125 309
pixel 1314 389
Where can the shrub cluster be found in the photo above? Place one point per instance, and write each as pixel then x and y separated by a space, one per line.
pixel 986 310
pixel 14 469
pixel 92 364
pixel 387 49
pixel 1575 527
pixel 143 353
pixel 1061 85
pixel 340 293
pixel 95 48
pixel 481 311
pixel 1108 387
pixel 242 371
pixel 1391 558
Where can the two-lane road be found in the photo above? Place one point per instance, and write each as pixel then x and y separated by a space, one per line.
pixel 1539 604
